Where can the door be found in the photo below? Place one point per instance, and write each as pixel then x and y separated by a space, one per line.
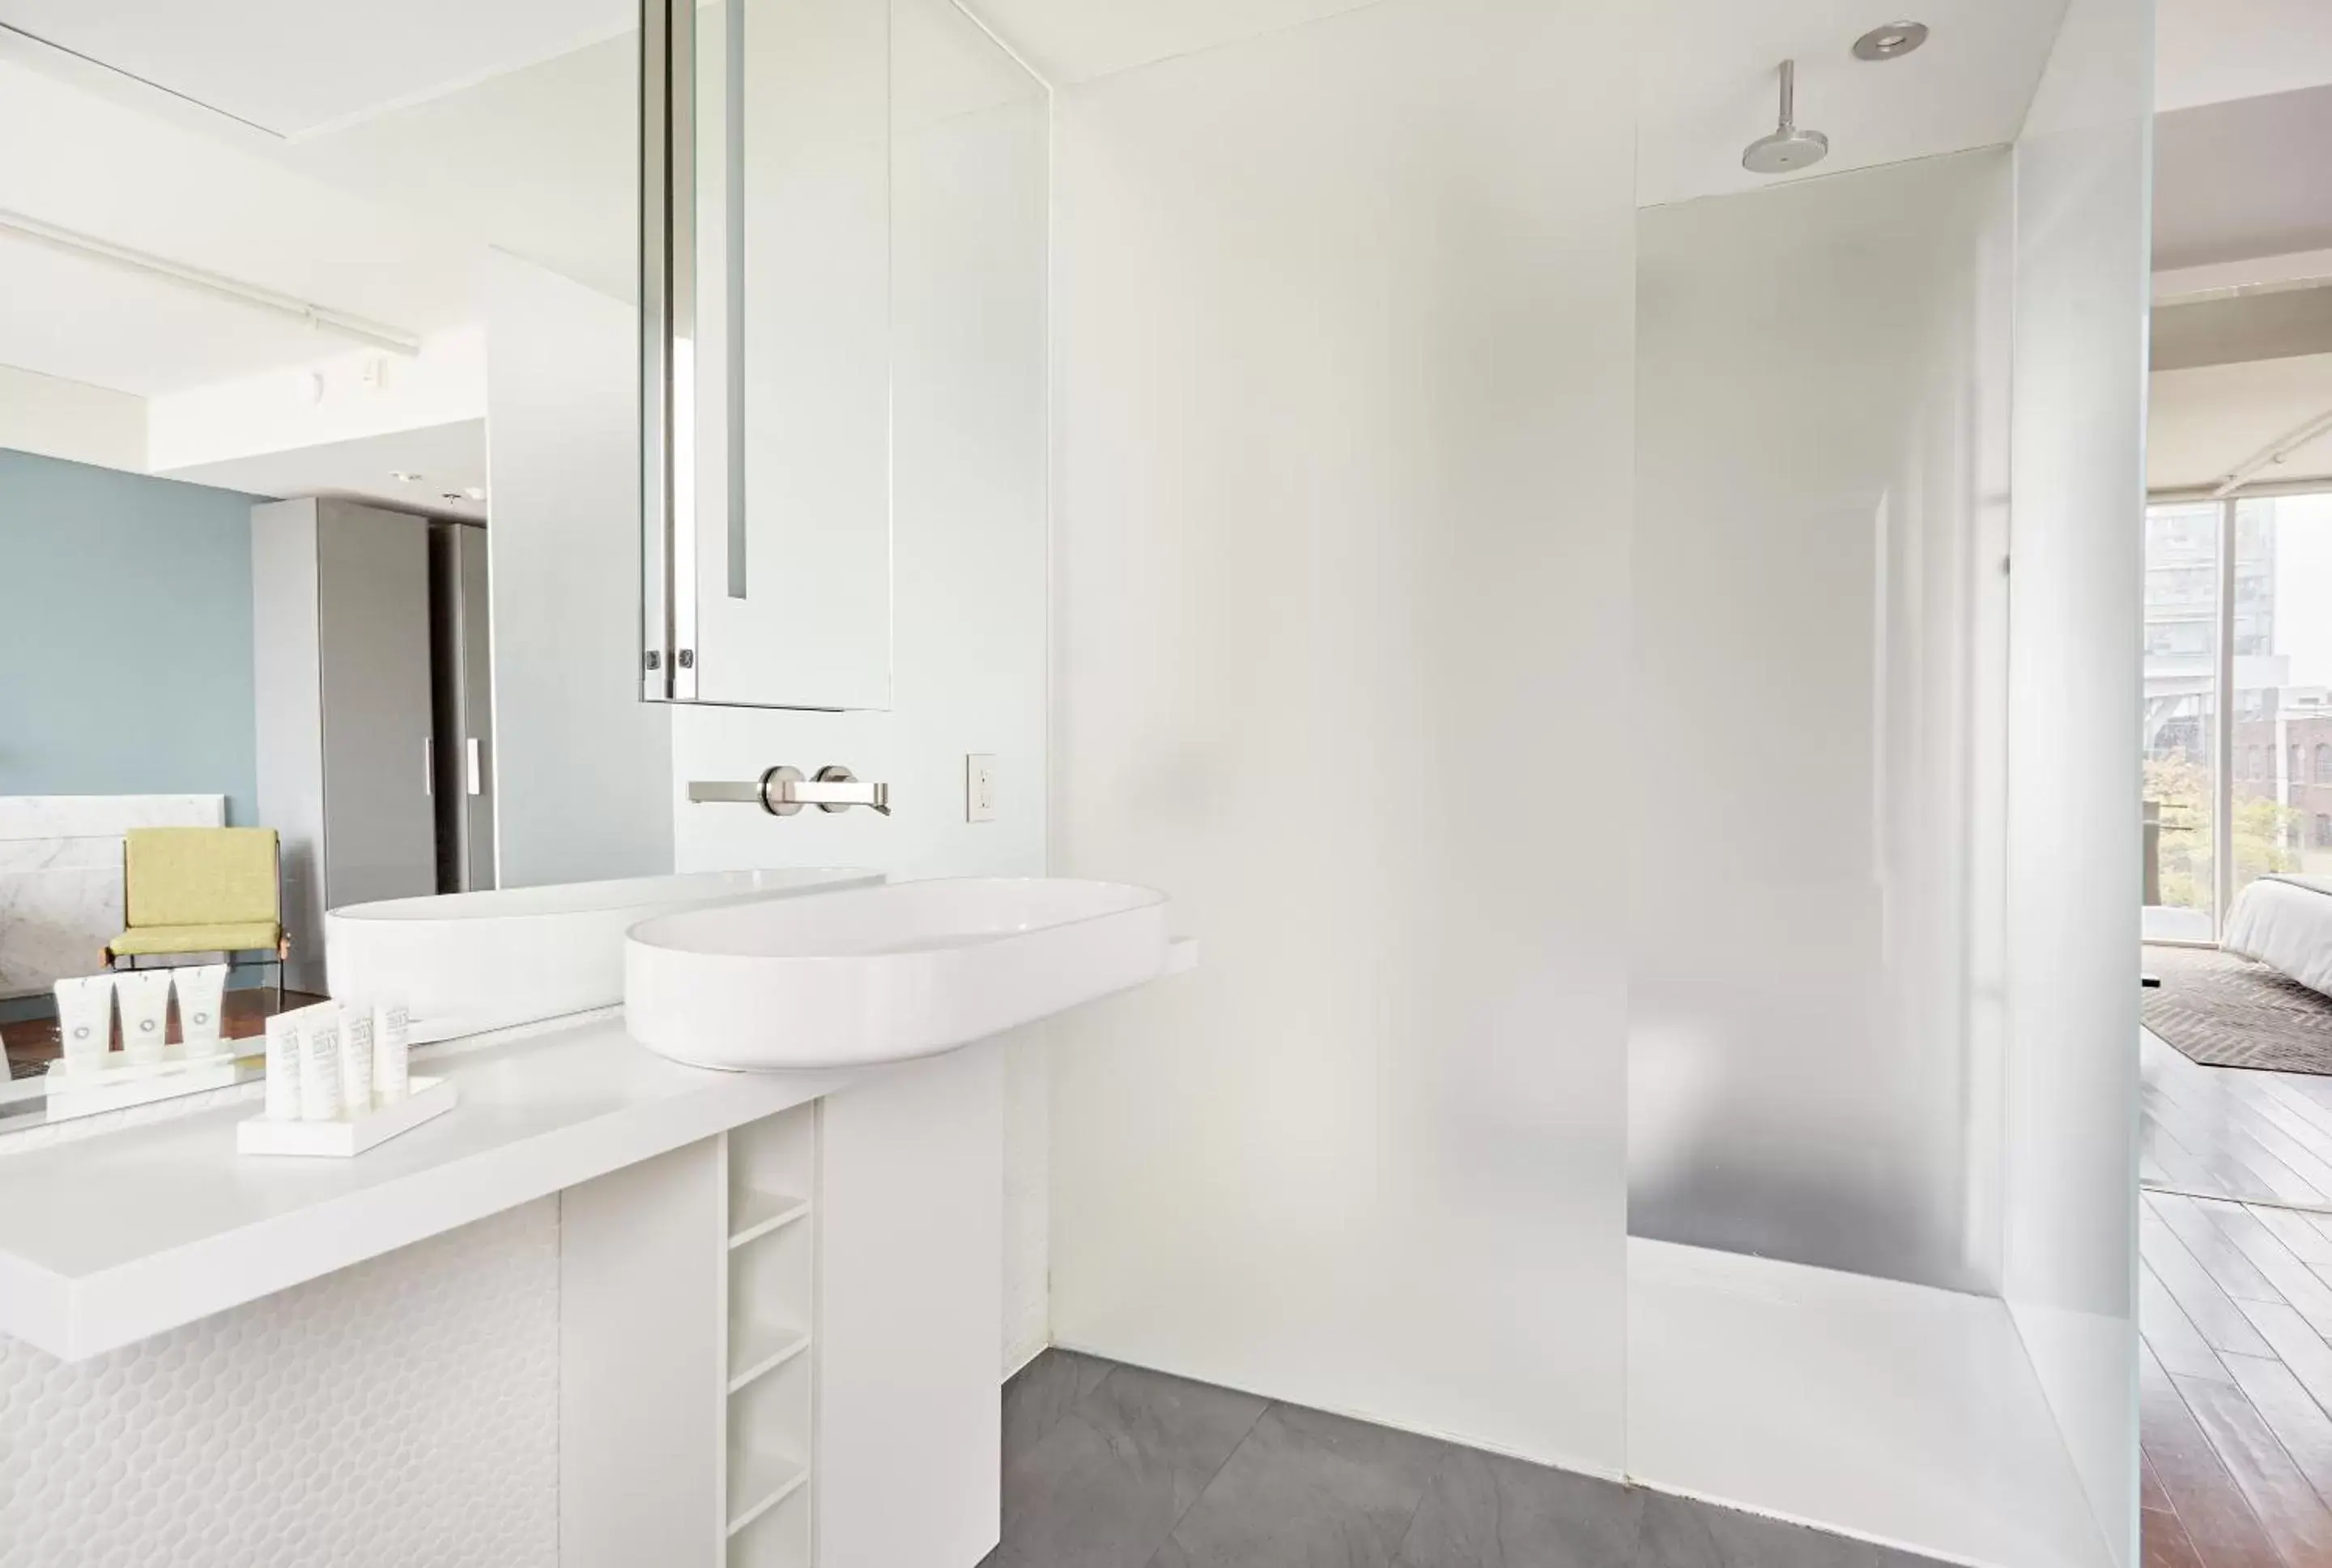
pixel 462 685
pixel 372 604
pixel 474 682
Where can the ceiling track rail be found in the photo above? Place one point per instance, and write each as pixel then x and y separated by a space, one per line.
pixel 2274 453
pixel 317 317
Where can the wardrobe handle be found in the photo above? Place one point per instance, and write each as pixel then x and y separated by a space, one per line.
pixel 477 780
pixel 428 764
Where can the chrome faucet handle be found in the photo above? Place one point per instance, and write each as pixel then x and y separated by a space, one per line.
pixel 782 791
pixel 837 789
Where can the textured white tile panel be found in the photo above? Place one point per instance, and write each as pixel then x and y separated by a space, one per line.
pixel 401 1413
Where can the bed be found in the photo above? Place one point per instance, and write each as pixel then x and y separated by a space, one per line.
pixel 2286 923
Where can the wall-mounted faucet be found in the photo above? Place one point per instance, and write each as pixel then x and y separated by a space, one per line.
pixel 782 791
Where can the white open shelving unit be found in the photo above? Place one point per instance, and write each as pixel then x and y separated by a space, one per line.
pixel 778 1341
pixel 769 1393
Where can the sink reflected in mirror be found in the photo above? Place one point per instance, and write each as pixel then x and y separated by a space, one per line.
pixel 468 962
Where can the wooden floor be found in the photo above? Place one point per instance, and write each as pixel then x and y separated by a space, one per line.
pixel 2235 1310
pixel 2255 1137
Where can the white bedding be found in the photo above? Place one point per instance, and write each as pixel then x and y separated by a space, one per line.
pixel 2286 923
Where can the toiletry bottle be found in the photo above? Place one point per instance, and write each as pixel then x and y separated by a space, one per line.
pixel 319 1062
pixel 391 1066
pixel 202 996
pixel 356 1059
pixel 85 1019
pixel 145 996
pixel 284 1067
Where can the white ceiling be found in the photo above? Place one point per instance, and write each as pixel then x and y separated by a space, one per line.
pixel 1706 84
pixel 2213 50
pixel 96 167
pixel 387 217
pixel 1072 41
pixel 297 66
pixel 2205 421
pixel 65 316
pixel 541 162
pixel 1706 73
pixel 2243 89
pixel 447 458
pixel 2244 178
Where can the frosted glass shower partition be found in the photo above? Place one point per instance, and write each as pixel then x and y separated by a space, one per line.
pixel 2084 178
pixel 1883 952
pixel 1820 608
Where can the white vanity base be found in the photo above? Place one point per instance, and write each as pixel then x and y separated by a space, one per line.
pixel 780 1299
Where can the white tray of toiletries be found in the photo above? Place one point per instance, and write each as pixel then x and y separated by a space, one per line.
pixel 347 1135
pixel 338 1083
pixel 90 1076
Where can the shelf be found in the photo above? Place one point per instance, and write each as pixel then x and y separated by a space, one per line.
pixel 758 1483
pixel 755 1349
pixel 753 1214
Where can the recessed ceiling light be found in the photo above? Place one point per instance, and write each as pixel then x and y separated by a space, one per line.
pixel 405 477
pixel 475 492
pixel 1891 42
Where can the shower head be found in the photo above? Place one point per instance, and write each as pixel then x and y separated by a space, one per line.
pixel 1787 148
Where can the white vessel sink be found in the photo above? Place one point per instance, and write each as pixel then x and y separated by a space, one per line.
pixel 883 974
pixel 467 962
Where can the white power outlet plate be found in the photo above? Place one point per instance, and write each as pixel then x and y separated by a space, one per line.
pixel 979 788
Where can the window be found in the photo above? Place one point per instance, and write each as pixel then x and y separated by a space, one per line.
pixel 2259 675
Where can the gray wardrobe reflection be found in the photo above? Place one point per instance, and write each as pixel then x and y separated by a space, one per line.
pixel 376 746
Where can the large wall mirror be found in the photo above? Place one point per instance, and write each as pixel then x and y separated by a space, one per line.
pixel 349 353
pixel 318 339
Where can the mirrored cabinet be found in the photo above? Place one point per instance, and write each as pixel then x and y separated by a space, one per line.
pixel 766 353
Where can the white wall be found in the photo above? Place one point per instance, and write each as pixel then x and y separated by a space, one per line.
pixel 1345 366
pixel 2073 874
pixel 67 419
pixel 1819 619
pixel 969 206
pixel 583 789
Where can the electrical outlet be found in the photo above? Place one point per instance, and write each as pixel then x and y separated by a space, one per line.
pixel 979 788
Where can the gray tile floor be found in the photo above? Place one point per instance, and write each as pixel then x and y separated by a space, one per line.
pixel 1113 1466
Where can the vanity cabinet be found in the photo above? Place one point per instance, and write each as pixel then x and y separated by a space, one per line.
pixel 779 1347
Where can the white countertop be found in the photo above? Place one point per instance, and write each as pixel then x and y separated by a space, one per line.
pixel 107 1240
